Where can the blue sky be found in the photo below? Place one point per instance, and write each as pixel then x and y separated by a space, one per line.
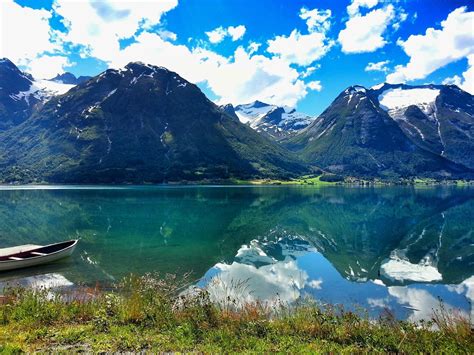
pixel 297 53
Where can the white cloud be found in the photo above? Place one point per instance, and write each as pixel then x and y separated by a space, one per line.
pixel 253 47
pixel 256 77
pixel 315 85
pixel 377 66
pixel 24 32
pixel 96 29
pixel 316 20
pixel 244 77
pixel 237 32
pixel 218 34
pixel 304 49
pixel 437 47
pixel 354 8
pixel 46 66
pixel 298 48
pixel 194 65
pixel 467 81
pixel 310 70
pixel 168 35
pixel 99 25
pixel 364 33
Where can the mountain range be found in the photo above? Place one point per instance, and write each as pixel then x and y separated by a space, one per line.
pixel 69 78
pixel 146 124
pixel 276 121
pixel 139 124
pixel 391 131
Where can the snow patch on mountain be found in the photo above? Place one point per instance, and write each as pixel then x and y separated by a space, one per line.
pixel 395 99
pixel 42 90
pixel 274 120
pixel 253 111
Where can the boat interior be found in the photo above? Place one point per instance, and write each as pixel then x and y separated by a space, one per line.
pixel 41 251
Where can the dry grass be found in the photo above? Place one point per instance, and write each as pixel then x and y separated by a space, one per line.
pixel 152 314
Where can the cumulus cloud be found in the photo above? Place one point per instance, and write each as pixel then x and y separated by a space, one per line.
pixel 298 48
pixel 437 47
pixel 248 77
pixel 244 77
pixel 304 49
pixel 315 85
pixel 46 66
pixel 218 34
pixel 316 20
pixel 151 48
pixel 466 82
pixel 355 6
pixel 100 29
pixel 237 32
pixel 28 34
pixel 378 66
pixel 99 26
pixel 364 33
pixel 310 70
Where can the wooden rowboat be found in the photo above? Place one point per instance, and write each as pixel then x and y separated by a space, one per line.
pixel 32 255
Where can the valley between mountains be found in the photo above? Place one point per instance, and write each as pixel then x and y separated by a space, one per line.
pixel 146 124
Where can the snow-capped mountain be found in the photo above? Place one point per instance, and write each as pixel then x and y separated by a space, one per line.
pixel 140 123
pixel 392 130
pixel 20 92
pixel 69 78
pixel 439 118
pixel 278 122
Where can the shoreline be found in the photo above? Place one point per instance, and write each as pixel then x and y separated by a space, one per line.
pixel 307 180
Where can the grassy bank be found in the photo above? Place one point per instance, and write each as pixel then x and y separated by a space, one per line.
pixel 146 314
pixel 333 179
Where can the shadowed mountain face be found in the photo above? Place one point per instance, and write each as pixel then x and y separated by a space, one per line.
pixel 139 124
pixel 21 94
pixel 370 132
pixel 13 109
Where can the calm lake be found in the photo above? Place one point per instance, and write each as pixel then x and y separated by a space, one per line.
pixel 397 248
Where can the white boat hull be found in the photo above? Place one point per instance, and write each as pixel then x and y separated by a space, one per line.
pixel 37 260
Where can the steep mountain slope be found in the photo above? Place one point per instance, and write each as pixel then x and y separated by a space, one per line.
pixel 278 122
pixel 355 136
pixel 69 78
pixel 138 124
pixel 20 93
pixel 438 118
pixel 13 109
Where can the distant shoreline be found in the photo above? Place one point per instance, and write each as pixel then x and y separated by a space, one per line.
pixel 307 180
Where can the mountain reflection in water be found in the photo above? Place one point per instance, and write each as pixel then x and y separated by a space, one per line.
pixel 397 248
pixel 290 269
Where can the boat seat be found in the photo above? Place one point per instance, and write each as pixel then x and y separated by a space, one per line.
pixel 15 258
pixel 38 253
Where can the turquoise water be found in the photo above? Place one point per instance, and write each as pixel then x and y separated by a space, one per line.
pixel 395 248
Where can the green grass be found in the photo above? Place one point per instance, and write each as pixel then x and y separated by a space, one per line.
pixel 303 180
pixel 148 313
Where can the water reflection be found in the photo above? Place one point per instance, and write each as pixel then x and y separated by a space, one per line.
pixel 289 269
pixel 400 248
